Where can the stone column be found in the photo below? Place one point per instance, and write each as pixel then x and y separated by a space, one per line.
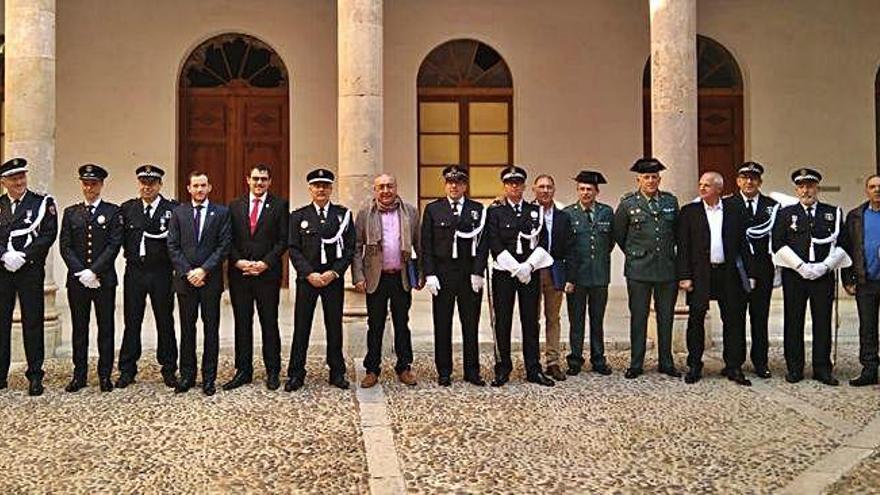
pixel 359 114
pixel 674 119
pixel 29 113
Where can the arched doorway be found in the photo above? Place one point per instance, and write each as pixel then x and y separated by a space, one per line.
pixel 233 103
pixel 719 106
pixel 465 117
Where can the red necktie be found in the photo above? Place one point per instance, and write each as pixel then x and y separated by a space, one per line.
pixel 255 212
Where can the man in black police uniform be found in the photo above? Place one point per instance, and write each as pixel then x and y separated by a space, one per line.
pixel 322 238
pixel 454 257
pixel 805 238
pixel 148 271
pixel 28 226
pixel 198 242
pixel 91 235
pixel 259 239
pixel 517 240
pixel 758 215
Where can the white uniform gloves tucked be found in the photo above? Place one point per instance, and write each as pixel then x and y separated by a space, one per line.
pixel 837 258
pixel 477 283
pixel 88 278
pixel 432 284
pixel 13 260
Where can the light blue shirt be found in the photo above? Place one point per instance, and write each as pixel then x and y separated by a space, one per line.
pixel 872 244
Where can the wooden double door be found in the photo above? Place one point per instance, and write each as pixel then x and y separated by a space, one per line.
pixel 226 131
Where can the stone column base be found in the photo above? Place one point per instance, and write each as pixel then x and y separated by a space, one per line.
pixel 51 329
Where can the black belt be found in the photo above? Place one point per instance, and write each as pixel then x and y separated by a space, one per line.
pixel 390 272
pixel 716 266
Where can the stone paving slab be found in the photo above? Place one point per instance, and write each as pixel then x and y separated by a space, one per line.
pixel 865 478
pixel 599 434
pixel 146 439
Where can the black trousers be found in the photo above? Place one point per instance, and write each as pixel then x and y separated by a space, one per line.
pixel 390 289
pixel 820 294
pixel 81 300
pixel 245 293
pixel 140 282
pixel 584 301
pixel 665 294
pixel 505 290
pixel 455 288
pixel 190 302
pixel 868 304
pixel 332 299
pixel 757 303
pixel 27 284
pixel 730 299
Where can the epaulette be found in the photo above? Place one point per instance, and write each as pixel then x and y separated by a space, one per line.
pixel 666 193
pixel 496 203
pixel 128 202
pixel 628 195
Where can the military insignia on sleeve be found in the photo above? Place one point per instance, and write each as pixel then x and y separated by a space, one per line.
pixel 101 219
pixel 304 224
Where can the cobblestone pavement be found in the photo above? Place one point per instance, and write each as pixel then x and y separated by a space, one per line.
pixel 588 434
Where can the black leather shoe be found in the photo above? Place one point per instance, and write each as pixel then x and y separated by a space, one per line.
pixel 124 381
pixel 540 379
pixel 209 388
pixel 500 380
pixel 272 381
pixel 444 381
pixel 237 381
pixel 105 384
pixel 170 380
pixel 793 377
pixel 739 378
pixel 555 373
pixel 35 387
pixel 293 384
pixel 183 385
pixel 725 372
pixel 693 376
pixel 573 371
pixel 475 380
pixel 633 373
pixel 827 379
pixel 75 385
pixel 762 372
pixel 674 373
pixel 339 381
pixel 602 370
pixel 863 380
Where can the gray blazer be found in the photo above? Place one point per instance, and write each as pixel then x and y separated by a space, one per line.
pixel 367 264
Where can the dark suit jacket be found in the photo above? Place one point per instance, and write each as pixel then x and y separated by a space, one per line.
pixel 91 242
pixel 694 244
pixel 438 231
pixel 761 260
pixel 268 242
pixel 136 223
pixel 561 244
pixel 854 244
pixel 306 232
pixel 209 252
pixel 35 253
pixel 792 228
pixel 503 229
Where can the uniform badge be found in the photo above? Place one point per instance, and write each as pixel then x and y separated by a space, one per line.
pixel 339 218
pixel 304 224
pixel 829 217
pixel 473 214
pixel 101 219
pixel 534 214
pixel 52 210
pixel 27 216
pixel 168 214
pixel 162 223
pixel 794 222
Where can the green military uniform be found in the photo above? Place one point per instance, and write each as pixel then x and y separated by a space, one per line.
pixel 589 269
pixel 644 228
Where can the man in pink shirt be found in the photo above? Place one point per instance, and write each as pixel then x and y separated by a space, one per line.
pixel 387 238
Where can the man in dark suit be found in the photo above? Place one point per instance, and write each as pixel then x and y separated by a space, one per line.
pixel 28 226
pixel 518 242
pixel 862 279
pixel 455 252
pixel 91 235
pixel 805 238
pixel 552 279
pixel 148 271
pixel 322 239
pixel 711 238
pixel 259 239
pixel 758 213
pixel 198 242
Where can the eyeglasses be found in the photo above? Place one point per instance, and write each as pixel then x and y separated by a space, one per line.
pixel 260 179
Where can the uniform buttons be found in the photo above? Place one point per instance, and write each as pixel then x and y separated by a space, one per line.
pixel 89 261
pixel 658 248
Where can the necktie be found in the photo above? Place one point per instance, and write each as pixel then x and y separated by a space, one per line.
pixel 197 221
pixel 255 212
pixel 516 209
pixel 91 210
pixel 751 206
pixel 455 208
pixel 14 206
pixel 322 215
pixel 652 205
pixel 592 216
pixel 148 210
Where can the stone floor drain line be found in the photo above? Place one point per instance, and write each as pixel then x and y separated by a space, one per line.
pixel 382 460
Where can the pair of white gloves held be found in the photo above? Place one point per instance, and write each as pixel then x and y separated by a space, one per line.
pixel 812 271
pixel 88 278
pixel 432 283
pixel 13 260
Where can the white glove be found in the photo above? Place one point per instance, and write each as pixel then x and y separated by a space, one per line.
pixel 777 278
pixel 88 279
pixel 13 260
pixel 805 271
pixel 477 283
pixel 523 273
pixel 432 283
pixel 819 269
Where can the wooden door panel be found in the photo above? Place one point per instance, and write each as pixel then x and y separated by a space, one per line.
pixel 209 158
pixel 207 118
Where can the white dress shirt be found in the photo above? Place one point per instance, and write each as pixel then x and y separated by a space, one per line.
pixel 202 215
pixel 715 216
